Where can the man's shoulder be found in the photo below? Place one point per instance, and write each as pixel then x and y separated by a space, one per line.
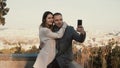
pixel 69 30
pixel 69 27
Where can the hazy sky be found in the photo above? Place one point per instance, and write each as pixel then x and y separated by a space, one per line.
pixel 96 14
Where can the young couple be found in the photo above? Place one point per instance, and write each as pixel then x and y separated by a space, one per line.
pixel 56 42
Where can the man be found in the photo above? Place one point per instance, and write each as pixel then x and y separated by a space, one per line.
pixel 64 54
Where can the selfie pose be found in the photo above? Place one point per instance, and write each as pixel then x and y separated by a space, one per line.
pixel 47 39
pixel 64 54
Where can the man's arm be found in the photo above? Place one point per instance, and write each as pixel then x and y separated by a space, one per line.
pixel 78 37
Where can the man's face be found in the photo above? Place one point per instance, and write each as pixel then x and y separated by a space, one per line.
pixel 58 20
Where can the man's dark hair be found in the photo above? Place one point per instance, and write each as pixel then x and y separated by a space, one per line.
pixel 57 14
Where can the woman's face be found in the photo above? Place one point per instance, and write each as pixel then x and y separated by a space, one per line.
pixel 49 19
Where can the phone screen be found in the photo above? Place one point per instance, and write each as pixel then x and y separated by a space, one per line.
pixel 79 22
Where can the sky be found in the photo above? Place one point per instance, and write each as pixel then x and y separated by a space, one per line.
pixel 97 15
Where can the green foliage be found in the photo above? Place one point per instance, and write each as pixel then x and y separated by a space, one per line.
pixel 3 11
pixel 107 56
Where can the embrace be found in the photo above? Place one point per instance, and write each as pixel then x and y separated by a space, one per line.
pixel 56 42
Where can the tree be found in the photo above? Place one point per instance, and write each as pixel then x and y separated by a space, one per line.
pixel 3 11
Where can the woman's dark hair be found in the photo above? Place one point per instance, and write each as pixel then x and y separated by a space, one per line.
pixel 43 24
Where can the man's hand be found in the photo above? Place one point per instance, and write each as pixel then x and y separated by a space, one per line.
pixel 81 29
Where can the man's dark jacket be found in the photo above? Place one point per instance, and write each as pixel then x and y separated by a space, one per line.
pixel 64 54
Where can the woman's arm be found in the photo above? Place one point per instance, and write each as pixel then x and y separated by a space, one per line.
pixel 55 35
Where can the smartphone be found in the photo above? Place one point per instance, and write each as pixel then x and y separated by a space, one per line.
pixel 79 22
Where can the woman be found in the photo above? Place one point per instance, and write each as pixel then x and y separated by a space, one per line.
pixel 47 37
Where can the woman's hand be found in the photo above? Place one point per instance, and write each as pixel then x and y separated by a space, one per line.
pixel 41 45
